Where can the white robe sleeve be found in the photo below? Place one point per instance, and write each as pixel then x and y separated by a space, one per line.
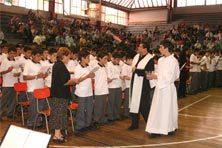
pixel 168 74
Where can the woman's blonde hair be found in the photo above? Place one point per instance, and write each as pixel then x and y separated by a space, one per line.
pixel 62 51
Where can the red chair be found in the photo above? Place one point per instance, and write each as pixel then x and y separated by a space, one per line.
pixel 19 88
pixel 42 94
pixel 72 107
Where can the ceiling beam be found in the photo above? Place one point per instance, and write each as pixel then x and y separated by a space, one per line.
pixel 130 4
pixel 115 6
pixel 127 6
pixel 148 8
pixel 143 3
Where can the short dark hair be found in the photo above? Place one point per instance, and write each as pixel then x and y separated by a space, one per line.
pixel 101 54
pixel 167 44
pixel 45 49
pixel 146 45
pixel 36 51
pixel 19 45
pixel 11 48
pixel 83 54
pixel 130 54
pixel 116 55
pixel 156 57
pixel 52 50
pixel 74 50
pixel 26 48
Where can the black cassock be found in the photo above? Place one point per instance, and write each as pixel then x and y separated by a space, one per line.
pixel 146 98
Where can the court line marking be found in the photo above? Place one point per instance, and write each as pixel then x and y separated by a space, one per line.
pixel 152 145
pixel 196 116
pixel 148 145
pixel 194 103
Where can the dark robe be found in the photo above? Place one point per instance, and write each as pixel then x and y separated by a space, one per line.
pixel 145 101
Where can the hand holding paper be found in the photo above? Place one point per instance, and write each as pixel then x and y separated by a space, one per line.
pixel 44 69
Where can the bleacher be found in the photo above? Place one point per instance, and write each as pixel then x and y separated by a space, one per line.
pixel 5 19
pixel 137 28
pixel 10 36
pixel 212 19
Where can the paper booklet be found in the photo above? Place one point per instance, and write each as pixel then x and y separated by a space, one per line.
pixel 18 137
pixel 44 69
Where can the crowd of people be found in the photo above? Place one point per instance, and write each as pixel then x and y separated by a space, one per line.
pixel 116 64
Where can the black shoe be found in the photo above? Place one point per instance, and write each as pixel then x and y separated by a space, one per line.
pixel 171 133
pixel 110 120
pixel 125 117
pixel 36 127
pixel 151 135
pixel 92 127
pixel 182 96
pixel 132 128
pixel 59 140
pixel 39 126
pixel 10 117
pixel 96 125
pixel 78 132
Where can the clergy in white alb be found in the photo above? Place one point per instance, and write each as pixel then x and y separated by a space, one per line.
pixel 163 117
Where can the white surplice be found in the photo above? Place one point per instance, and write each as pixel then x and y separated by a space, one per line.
pixel 163 117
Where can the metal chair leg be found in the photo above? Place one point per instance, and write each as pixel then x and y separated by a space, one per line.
pixel 36 117
pixel 14 112
pixel 23 120
pixel 71 117
pixel 46 122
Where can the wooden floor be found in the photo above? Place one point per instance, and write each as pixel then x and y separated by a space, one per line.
pixel 200 126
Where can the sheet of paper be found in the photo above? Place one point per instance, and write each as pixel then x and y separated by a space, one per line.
pixel 18 137
pixel 44 69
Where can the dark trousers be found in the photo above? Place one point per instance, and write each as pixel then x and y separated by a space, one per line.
pixel 144 109
pixel 100 108
pixel 182 84
pixel 84 112
pixel 32 110
pixel 218 78
pixel 126 102
pixel 204 80
pixel 7 101
pixel 195 82
pixel 114 103
pixel 211 79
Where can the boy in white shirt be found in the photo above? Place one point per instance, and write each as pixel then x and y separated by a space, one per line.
pixel 34 77
pixel 52 59
pixel 71 68
pixel 19 51
pixel 92 57
pixel 126 76
pixel 8 99
pixel 121 64
pixel 4 52
pixel 115 91
pixel 23 60
pixel 194 72
pixel 204 63
pixel 212 67
pixel 101 89
pixel 219 70
pixel 84 93
pixel 45 54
